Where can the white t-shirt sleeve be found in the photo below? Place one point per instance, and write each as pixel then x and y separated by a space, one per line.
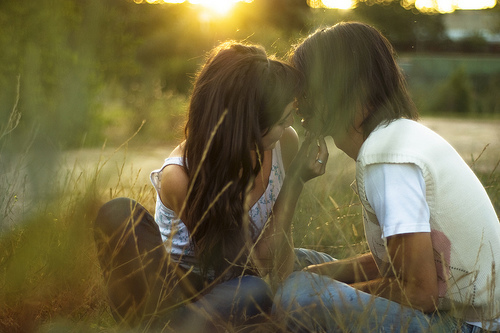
pixel 396 193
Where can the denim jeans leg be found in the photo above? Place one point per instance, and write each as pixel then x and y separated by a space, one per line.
pixel 134 262
pixel 311 303
pixel 241 301
pixel 307 257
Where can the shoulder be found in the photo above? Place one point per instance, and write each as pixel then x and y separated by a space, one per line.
pixel 289 143
pixel 392 126
pixel 174 183
pixel 178 151
pixel 399 136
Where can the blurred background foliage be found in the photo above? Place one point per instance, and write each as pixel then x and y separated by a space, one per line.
pixel 94 70
pixel 88 73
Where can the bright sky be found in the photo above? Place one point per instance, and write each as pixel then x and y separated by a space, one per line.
pixel 443 6
pixel 223 7
pixel 447 6
pixel 214 7
pixel 340 4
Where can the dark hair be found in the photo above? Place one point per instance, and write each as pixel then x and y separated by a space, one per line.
pixel 238 95
pixel 350 67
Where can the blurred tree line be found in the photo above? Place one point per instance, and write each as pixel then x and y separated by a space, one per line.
pixel 84 67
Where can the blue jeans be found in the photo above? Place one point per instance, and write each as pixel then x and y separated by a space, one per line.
pixel 242 302
pixel 308 302
pixel 306 257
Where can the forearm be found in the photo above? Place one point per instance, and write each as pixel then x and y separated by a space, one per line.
pixel 351 270
pixel 402 292
pixel 361 273
pixel 274 250
pixel 411 279
pixel 275 246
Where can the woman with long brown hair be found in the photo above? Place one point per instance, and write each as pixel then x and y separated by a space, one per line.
pixel 224 207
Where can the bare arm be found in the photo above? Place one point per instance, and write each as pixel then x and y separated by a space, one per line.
pixel 351 270
pixel 274 249
pixel 413 280
pixel 174 185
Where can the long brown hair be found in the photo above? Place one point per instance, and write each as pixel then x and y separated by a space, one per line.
pixel 348 67
pixel 238 95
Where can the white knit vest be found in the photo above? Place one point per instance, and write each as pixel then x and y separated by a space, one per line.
pixel 465 230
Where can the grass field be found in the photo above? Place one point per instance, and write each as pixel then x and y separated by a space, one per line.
pixel 50 280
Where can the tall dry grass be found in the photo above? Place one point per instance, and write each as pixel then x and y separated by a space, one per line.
pixel 49 275
pixel 50 280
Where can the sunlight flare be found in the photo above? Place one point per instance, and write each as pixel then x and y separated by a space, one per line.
pixel 441 6
pixel 339 4
pixel 333 4
pixel 474 4
pixel 448 6
pixel 220 7
pixel 212 7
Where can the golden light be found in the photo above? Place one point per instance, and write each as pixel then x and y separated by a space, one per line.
pixel 339 4
pixel 474 4
pixel 333 4
pixel 448 6
pixel 442 6
pixel 219 7
pixel 211 7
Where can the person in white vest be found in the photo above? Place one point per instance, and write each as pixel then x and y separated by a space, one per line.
pixel 432 231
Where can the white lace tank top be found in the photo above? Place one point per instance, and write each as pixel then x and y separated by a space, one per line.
pixel 174 232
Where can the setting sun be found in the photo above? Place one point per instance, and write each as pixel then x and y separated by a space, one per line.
pixel 220 7
pixel 215 7
pixel 339 4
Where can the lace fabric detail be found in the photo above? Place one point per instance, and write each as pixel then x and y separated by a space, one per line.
pixel 174 232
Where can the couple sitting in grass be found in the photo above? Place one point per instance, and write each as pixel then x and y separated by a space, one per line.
pixel 218 254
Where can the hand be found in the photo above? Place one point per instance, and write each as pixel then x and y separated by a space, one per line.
pixel 311 159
